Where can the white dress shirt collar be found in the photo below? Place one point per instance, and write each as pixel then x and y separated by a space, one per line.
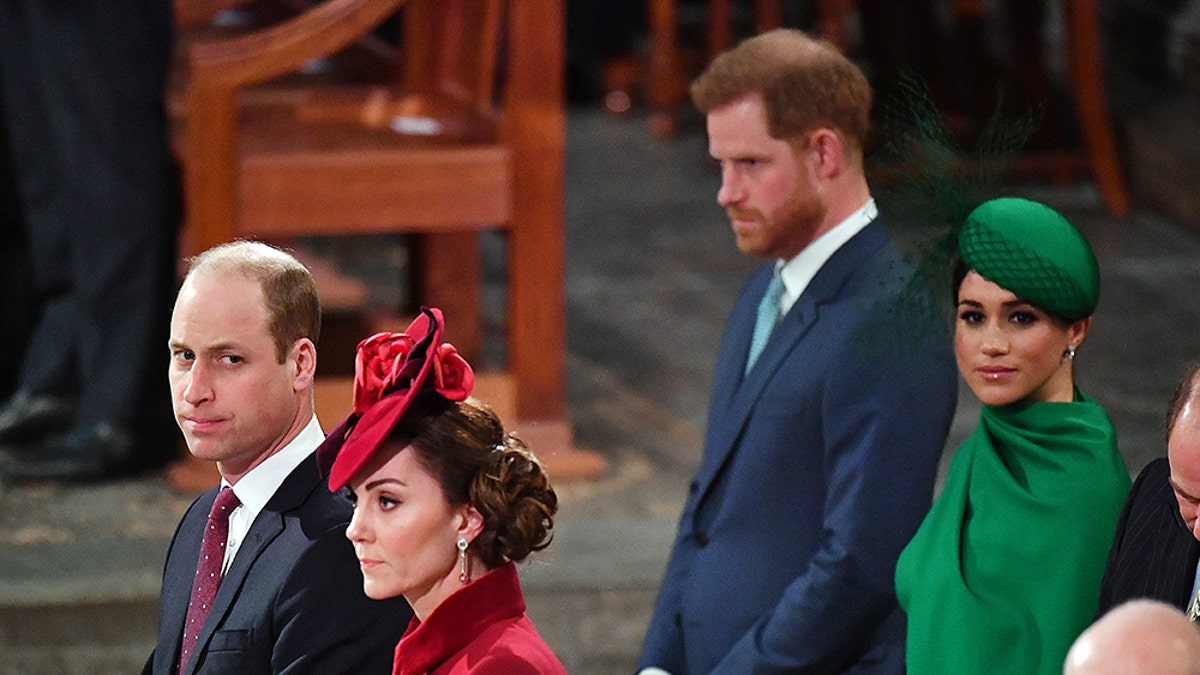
pixel 261 483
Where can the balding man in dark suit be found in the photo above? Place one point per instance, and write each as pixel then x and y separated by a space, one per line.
pixel 288 595
pixel 1156 549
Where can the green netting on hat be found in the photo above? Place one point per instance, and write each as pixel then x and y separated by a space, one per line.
pixel 1031 250
pixel 927 181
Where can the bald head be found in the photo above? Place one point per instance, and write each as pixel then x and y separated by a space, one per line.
pixel 1140 636
pixel 1183 449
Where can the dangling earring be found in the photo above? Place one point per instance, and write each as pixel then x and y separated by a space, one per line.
pixel 1070 351
pixel 462 560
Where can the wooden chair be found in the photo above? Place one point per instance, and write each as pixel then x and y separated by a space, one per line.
pixel 468 135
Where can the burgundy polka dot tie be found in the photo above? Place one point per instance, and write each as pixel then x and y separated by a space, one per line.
pixel 208 571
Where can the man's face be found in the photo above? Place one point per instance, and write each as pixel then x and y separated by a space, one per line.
pixel 235 403
pixel 769 187
pixel 1183 453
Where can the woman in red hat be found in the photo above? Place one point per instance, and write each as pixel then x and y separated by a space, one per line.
pixel 445 502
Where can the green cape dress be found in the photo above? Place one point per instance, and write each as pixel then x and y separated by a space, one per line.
pixel 1004 572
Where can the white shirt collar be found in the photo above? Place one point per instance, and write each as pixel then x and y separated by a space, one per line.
pixel 259 484
pixel 800 270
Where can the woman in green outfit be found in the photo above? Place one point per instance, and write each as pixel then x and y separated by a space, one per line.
pixel 1005 570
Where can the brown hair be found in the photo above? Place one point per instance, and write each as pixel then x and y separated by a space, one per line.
pixel 293 308
pixel 805 83
pixel 1185 392
pixel 464 446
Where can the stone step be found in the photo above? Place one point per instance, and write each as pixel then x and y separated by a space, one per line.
pixel 74 660
pixel 79 607
pixel 80 638
pixel 91 607
pixel 591 593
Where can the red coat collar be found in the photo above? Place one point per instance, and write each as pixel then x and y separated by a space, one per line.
pixel 450 628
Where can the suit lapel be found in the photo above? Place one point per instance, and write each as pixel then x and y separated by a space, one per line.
pixel 731 358
pixel 734 395
pixel 267 526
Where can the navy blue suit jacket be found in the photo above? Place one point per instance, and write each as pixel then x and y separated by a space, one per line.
pixel 1153 553
pixel 291 602
pixel 818 467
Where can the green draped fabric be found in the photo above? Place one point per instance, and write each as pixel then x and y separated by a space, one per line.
pixel 1004 573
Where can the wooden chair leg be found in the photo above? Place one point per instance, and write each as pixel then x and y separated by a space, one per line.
pixel 663 77
pixel 537 340
pixel 1091 104
pixel 831 20
pixel 666 84
pixel 446 274
pixel 768 15
pixel 720 27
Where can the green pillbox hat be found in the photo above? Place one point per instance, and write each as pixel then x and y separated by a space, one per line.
pixel 1031 250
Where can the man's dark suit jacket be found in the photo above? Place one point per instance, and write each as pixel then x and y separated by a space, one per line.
pixel 818 467
pixel 291 602
pixel 1153 554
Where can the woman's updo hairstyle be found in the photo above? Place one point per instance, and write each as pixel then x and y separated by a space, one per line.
pixel 464 446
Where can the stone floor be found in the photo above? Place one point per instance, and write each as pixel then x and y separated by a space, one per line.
pixel 651 273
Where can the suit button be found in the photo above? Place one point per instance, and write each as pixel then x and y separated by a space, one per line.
pixel 701 539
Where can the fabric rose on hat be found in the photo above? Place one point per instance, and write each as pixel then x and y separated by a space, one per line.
pixel 390 371
pixel 386 363
pixel 377 366
pixel 452 375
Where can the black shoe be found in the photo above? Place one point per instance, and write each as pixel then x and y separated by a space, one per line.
pixel 98 452
pixel 30 418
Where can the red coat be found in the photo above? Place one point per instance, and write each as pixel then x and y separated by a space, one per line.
pixel 482 630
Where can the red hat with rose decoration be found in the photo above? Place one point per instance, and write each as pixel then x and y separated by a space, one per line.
pixel 390 371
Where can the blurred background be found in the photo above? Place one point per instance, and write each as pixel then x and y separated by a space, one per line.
pixel 640 272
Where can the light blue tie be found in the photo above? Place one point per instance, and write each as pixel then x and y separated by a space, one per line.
pixel 764 322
